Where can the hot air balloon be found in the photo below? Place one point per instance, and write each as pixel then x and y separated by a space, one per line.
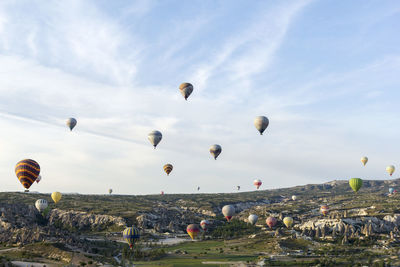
pixel 355 184
pixel 324 210
pixel 71 123
pixel 253 219
pixel 131 235
pixel 168 168
pixel 198 188
pixel 271 222
pixel 110 191
pixel 27 172
pixel 162 192
pixel 261 123
pixel 155 138
pixel 364 160
pixel 204 224
pixel 38 179
pixel 391 190
pixel 41 204
pixel 186 89
pixel 294 198
pixel 56 196
pixel 193 230
pixel 238 187
pixel 228 211
pixel 257 183
pixel 288 221
pixel 390 169
pixel 215 150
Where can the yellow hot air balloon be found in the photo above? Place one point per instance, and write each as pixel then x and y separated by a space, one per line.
pixel 364 160
pixel 288 221
pixel 390 169
pixel 193 230
pixel 56 196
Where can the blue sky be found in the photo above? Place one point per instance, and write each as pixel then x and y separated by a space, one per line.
pixel 326 74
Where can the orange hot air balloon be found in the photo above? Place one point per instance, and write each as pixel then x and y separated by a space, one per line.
pixel 324 210
pixel 271 222
pixel 168 168
pixel 193 230
pixel 27 172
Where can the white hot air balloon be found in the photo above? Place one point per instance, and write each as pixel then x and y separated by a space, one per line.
pixel 38 179
pixel 155 138
pixel 41 204
pixel 253 219
pixel 71 123
pixel 294 198
pixel 215 150
pixel 261 123
pixel 228 211
pixel 204 225
pixel 390 169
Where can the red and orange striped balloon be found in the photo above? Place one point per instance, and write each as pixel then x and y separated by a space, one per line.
pixel 27 172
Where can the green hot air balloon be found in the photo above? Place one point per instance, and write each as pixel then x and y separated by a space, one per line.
pixel 355 184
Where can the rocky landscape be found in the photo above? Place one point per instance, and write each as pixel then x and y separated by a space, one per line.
pixel 87 229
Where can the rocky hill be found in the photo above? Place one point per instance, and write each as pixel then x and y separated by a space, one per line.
pixel 79 221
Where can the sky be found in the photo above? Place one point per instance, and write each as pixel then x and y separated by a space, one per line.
pixel 325 73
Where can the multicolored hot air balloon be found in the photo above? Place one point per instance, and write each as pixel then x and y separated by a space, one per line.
pixel 294 198
pixel 261 123
pixel 41 204
pixel 257 183
pixel 56 196
pixel 288 221
pixel 131 235
pixel 186 89
pixel 253 219
pixel 193 230
pixel 391 190
pixel 27 172
pixel 110 191
pixel 162 192
pixel 364 160
pixel 38 179
pixel 355 184
pixel 168 168
pixel 324 210
pixel 215 150
pixel 271 222
pixel 390 169
pixel 155 138
pixel 71 123
pixel 204 225
pixel 228 211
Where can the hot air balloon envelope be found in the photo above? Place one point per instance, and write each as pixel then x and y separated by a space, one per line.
pixel 193 230
pixel 41 204
pixel 131 235
pixel 355 184
pixel 56 196
pixel 27 172
pixel 253 219
pixel 228 211
pixel 261 123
